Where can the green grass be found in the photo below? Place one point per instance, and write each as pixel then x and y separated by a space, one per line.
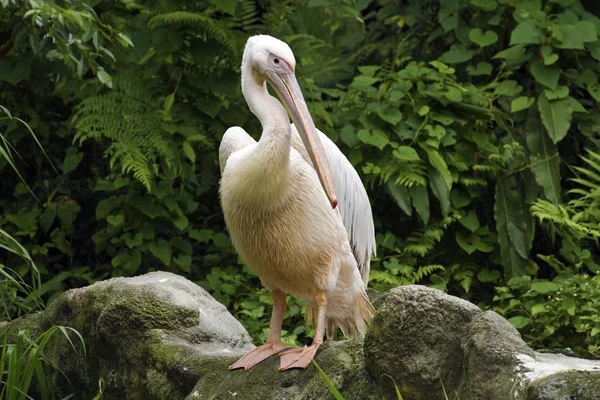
pixel 22 361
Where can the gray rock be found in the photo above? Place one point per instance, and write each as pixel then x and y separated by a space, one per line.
pixel 147 337
pixel 159 336
pixel 558 377
pixel 424 338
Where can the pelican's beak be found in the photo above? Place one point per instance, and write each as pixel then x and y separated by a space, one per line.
pixel 286 86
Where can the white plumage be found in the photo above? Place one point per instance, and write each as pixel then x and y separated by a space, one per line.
pixel 277 196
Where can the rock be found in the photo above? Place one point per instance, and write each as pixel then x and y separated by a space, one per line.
pixel 159 336
pixel 558 377
pixel 147 337
pixel 424 338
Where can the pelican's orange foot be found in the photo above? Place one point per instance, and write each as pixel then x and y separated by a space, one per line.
pixel 297 358
pixel 259 354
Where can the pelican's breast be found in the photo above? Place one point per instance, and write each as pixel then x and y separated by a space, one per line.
pixel 292 240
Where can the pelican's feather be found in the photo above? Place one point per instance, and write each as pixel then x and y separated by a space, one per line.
pixel 234 139
pixel 353 201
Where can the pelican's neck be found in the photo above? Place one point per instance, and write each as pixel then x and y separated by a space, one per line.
pixel 275 141
pixel 268 165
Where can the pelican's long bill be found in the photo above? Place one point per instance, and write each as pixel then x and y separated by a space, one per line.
pixel 286 86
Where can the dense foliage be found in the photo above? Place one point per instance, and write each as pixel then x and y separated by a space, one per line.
pixel 473 124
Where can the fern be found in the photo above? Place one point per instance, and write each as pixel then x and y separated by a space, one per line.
pixel 128 118
pixel 422 241
pixel 248 19
pixel 580 218
pixel 217 29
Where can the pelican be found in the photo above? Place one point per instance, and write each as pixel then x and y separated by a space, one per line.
pixel 280 202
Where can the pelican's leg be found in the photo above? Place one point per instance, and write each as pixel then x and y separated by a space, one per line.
pixel 273 344
pixel 301 358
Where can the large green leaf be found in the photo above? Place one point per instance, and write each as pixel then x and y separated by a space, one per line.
pixel 545 160
pixel 556 116
pixel 547 76
pixel 375 137
pixel 401 195
pixel 527 32
pixel 508 213
pixel 440 190
pixel 420 200
pixel 437 161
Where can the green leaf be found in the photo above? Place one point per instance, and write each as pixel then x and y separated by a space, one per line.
pixel 362 81
pixel 527 32
pixel 457 55
pixel 514 54
pixel 161 249
pixel 348 136
pixel 420 201
pixel 390 114
pixel 14 71
pixel 576 105
pixel 520 322
pixel 569 37
pixel 47 218
pixel 559 93
pixel 549 57
pixel 547 76
pixel 470 221
pixel 482 68
pixel 401 195
pixel 406 153
pixel 72 160
pixel 487 276
pixel 134 241
pixel 482 39
pixel 469 242
pixel 437 161
pixel 189 151
pixel 545 160
pixel 115 220
pixel 440 190
pixel 538 309
pixel 569 305
pixel 544 287
pixel 168 103
pixel 485 5
pixel 508 213
pixel 375 137
pixel 521 103
pixel 556 116
pixel 104 77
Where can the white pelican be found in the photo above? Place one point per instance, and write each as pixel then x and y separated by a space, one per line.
pixel 279 201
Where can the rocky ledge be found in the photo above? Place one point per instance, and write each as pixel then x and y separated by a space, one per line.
pixel 160 336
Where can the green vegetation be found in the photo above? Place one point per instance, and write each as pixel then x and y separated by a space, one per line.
pixel 473 123
pixel 24 360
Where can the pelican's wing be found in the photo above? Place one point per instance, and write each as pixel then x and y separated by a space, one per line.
pixel 353 201
pixel 234 139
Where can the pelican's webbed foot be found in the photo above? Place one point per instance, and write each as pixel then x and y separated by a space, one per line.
pixel 298 357
pixel 259 354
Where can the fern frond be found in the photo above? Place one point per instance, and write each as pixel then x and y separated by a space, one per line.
pixel 130 121
pixel 468 181
pixel 248 17
pixel 427 270
pixel 217 29
pixel 411 174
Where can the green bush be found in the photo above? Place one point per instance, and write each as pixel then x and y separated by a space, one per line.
pixel 466 119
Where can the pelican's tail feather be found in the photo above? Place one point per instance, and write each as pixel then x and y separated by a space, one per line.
pixel 352 325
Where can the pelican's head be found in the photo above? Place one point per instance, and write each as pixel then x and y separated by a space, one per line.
pixel 273 61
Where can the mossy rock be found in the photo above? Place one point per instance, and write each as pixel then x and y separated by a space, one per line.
pixel 160 336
